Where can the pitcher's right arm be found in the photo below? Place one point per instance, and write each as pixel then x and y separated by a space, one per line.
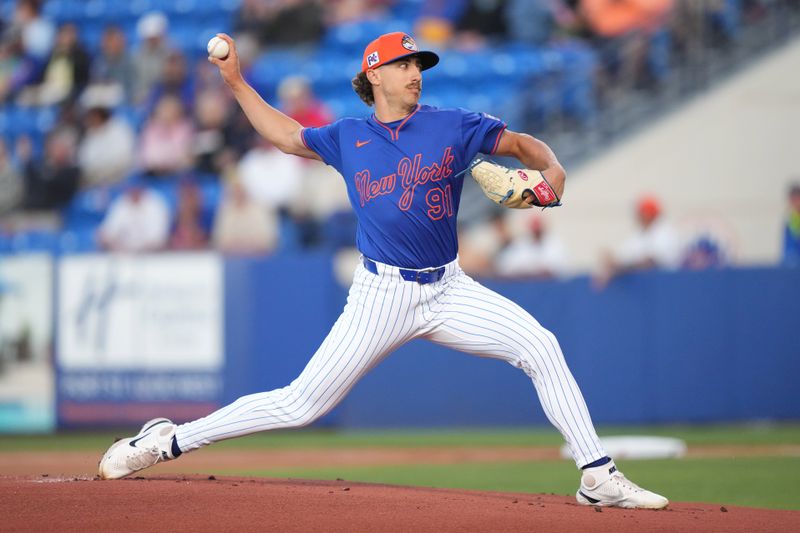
pixel 276 127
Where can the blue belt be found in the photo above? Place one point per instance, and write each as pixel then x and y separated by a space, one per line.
pixel 422 277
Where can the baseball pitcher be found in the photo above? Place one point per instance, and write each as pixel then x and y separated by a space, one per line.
pixel 403 167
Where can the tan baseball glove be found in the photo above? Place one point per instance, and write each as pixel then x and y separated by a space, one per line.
pixel 513 187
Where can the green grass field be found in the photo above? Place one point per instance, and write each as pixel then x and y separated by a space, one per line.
pixel 756 481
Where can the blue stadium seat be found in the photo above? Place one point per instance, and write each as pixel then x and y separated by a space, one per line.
pixel 348 106
pixel 658 55
pixel 95 10
pixel 211 192
pixel 352 37
pixel 276 64
pixel 330 70
pixel 76 241
pixel 167 187
pixel 728 20
pixel 7 9
pixel 88 207
pixel 64 11
pixel 115 12
pixel 140 7
pixel 6 245
pixel 35 241
pixel 91 33
pixel 135 116
pixel 407 10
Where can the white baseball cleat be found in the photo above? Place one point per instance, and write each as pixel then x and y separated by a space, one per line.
pixel 605 486
pixel 153 444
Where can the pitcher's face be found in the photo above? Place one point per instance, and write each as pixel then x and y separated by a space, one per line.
pixel 401 80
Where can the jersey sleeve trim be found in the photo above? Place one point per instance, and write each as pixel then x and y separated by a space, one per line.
pixel 497 140
pixel 303 138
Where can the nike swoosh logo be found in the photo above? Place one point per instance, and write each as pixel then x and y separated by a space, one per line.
pixel 359 144
pixel 590 500
pixel 134 441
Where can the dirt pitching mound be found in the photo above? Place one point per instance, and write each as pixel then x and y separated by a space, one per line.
pixel 206 503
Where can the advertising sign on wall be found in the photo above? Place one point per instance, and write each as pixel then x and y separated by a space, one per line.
pixel 26 340
pixel 139 335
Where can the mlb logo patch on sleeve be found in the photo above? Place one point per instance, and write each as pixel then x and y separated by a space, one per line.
pixel 373 58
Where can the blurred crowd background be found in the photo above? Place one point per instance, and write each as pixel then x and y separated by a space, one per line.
pixel 117 134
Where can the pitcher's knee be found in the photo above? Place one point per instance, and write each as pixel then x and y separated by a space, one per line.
pixel 306 413
pixel 310 407
pixel 542 346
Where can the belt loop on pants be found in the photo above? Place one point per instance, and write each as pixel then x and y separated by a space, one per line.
pixel 422 277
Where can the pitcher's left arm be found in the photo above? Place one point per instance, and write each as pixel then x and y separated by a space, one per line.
pixel 535 154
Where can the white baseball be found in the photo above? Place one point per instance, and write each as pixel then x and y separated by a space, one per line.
pixel 218 47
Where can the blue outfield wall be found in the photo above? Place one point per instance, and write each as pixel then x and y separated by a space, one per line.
pixel 653 347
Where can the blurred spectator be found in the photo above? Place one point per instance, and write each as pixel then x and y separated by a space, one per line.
pixel 66 72
pixel 106 153
pixel 10 62
pixel 270 177
pixel 11 185
pixel 35 33
pixel 50 183
pixel 189 232
pixel 615 18
pixel 137 221
pixel 791 231
pixel 621 30
pixel 298 101
pixel 538 22
pixel 114 65
pixel 239 134
pixel 69 119
pixel 210 146
pixel 537 253
pixel 482 242
pixel 704 253
pixel 251 19
pixel 151 56
pixel 687 28
pixel 165 146
pixel 24 49
pixel 284 22
pixel 530 21
pixel 655 245
pixel 353 11
pixel 242 226
pixel 174 81
pixel 436 21
pixel 296 22
pixel 482 21
pixel 325 201
pixel 207 79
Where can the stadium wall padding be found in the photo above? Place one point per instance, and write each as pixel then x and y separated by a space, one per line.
pixel 652 347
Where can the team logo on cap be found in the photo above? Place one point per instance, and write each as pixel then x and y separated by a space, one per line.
pixel 409 44
pixel 373 58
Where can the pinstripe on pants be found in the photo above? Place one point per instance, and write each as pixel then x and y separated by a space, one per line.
pixel 382 313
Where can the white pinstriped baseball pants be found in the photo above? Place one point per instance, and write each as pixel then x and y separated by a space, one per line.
pixel 382 313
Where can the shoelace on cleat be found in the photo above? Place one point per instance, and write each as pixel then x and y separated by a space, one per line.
pixel 620 479
pixel 143 458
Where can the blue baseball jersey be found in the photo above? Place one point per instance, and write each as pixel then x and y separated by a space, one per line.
pixel 403 178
